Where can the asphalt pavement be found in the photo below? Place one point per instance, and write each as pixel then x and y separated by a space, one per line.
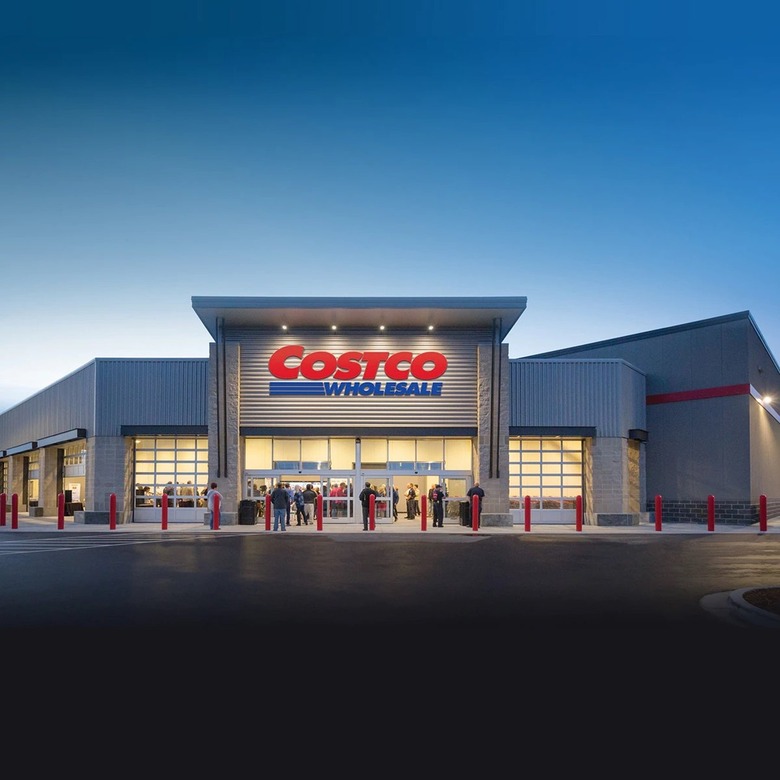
pixel 729 606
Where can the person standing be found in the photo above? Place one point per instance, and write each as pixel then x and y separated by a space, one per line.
pixel 395 503
pixel 476 490
pixel 210 496
pixel 365 502
pixel 280 499
pixel 309 500
pixel 298 501
pixel 437 499
pixel 410 499
pixel 291 493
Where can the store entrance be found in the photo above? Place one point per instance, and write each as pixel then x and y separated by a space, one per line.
pixel 340 492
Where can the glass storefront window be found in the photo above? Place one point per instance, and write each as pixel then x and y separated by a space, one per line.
pixel 342 454
pixel 548 471
pixel 457 454
pixel 174 467
pixel 258 453
pixel 314 450
pixel 401 450
pixel 373 450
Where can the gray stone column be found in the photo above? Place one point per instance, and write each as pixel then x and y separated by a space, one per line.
pixel 223 419
pixel 16 478
pixel 109 470
pixel 493 407
pixel 48 484
pixel 614 468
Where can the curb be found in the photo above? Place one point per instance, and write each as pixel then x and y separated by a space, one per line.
pixel 749 612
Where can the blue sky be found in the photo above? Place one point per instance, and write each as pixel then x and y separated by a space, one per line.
pixel 616 163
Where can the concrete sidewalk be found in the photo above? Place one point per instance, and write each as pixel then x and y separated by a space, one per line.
pixel 402 526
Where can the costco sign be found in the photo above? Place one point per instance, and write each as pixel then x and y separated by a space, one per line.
pixel 355 373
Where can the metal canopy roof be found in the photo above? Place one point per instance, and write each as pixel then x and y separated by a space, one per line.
pixel 406 312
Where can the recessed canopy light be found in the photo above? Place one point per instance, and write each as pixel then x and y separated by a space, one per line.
pixel 767 399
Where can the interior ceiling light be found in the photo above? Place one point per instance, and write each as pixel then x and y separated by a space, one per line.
pixel 284 327
pixel 333 327
pixel 381 327
pixel 430 327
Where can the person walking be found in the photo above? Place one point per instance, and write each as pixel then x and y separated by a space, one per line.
pixel 309 501
pixel 210 494
pixel 280 499
pixel 476 490
pixel 437 499
pixel 365 502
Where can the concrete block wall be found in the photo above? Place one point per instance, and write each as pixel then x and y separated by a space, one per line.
pixel 614 477
pixel 107 469
pixel 47 480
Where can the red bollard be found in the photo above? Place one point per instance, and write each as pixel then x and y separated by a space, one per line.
pixel 762 513
pixel 371 512
pixel 164 505
pixel 579 513
pixel 15 510
pixel 423 512
pixel 112 512
pixel 319 511
pixel 217 502
pixel 267 511
pixel 527 511
pixel 475 513
pixel 658 512
pixel 3 499
pixel 710 513
pixel 60 511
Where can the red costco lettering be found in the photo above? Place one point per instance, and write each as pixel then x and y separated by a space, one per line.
pixel 291 362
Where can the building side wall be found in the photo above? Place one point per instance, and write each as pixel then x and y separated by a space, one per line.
pixel 63 406
pixel 685 358
pixel 701 447
pixel 164 392
pixel 607 394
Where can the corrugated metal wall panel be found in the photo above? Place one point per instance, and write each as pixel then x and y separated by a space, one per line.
pixel 63 406
pixel 605 394
pixel 150 392
pixel 457 406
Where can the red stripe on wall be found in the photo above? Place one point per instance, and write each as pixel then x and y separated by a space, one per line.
pixel 698 395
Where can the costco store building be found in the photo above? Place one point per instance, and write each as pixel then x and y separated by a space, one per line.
pixel 335 392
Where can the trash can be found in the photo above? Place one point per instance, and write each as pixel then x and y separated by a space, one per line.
pixel 465 513
pixel 246 512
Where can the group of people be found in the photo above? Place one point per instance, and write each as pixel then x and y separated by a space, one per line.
pixel 285 500
pixel 178 495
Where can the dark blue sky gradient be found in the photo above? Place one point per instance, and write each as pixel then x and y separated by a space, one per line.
pixel 618 166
